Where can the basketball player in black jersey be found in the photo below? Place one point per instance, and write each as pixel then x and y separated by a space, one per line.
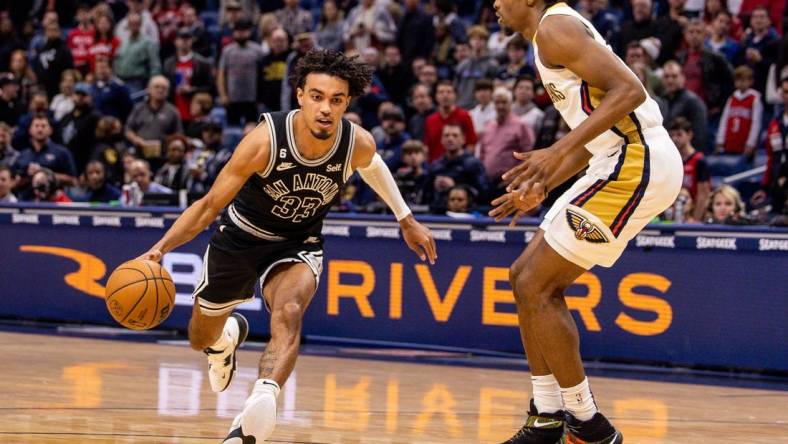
pixel 275 192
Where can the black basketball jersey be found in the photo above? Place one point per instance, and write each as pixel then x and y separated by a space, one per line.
pixel 290 198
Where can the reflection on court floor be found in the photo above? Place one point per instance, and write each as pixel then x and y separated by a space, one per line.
pixel 80 390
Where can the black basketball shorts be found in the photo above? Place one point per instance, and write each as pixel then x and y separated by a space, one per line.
pixel 235 262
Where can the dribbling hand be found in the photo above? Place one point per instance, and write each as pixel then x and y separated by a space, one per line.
pixel 154 254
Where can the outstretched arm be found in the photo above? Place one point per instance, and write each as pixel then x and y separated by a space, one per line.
pixel 377 175
pixel 247 159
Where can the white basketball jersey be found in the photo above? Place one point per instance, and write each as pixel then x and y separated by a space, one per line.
pixel 576 100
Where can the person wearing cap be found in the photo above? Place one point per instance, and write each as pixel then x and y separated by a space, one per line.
pixel 10 109
pixel 137 59
pixel 188 73
pixel 238 75
pixel 479 65
pixel 78 128
pixel 393 124
pixel 293 18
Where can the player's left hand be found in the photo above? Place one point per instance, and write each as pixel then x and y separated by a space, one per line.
pixel 419 239
pixel 516 204
pixel 533 172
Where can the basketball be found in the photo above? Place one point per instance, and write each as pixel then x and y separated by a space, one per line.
pixel 140 294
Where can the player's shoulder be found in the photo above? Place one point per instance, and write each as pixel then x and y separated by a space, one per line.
pixel 362 139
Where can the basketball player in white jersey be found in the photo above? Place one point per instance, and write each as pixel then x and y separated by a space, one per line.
pixel 634 172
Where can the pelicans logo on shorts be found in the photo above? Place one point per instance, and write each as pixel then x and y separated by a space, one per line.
pixel 585 230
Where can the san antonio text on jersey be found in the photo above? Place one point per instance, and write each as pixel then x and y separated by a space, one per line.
pixel 291 197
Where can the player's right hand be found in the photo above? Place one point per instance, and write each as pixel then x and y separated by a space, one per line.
pixel 154 254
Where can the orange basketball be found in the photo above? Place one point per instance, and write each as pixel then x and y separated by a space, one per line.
pixel 140 294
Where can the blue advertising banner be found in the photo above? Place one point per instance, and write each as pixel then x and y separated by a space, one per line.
pixel 679 295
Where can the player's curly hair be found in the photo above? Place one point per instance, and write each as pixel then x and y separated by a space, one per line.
pixel 334 63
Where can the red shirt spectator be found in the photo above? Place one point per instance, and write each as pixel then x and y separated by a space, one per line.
pixel 741 118
pixel 447 112
pixel 697 178
pixel 80 39
pixel 105 44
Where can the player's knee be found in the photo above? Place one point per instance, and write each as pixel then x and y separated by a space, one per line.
pixel 290 315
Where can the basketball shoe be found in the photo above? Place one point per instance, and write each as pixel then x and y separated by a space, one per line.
pixel 221 363
pixel 257 420
pixel 540 428
pixel 596 430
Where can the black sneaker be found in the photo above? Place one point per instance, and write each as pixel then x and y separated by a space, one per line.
pixel 596 430
pixel 540 428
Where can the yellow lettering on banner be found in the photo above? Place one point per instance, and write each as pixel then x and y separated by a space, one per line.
pixel 442 308
pixel 395 291
pixel 497 410
pixel 652 415
pixel 392 405
pixel 646 303
pixel 584 305
pixel 360 293
pixel 90 270
pixel 491 295
pixel 346 408
pixel 438 401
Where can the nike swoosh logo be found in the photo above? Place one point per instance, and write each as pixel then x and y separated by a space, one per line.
pixel 551 423
pixel 284 166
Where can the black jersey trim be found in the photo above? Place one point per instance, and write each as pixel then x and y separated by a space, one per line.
pixel 294 148
pixel 272 157
pixel 351 144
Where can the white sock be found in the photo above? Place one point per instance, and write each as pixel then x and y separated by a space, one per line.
pixel 223 342
pixel 258 417
pixel 579 401
pixel 547 394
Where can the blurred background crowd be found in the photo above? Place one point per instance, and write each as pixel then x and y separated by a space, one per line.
pixel 141 102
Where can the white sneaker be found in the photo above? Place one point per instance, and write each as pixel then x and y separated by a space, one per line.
pixel 221 363
pixel 257 420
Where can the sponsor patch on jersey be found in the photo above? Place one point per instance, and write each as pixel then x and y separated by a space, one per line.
pixel 334 167
pixel 584 229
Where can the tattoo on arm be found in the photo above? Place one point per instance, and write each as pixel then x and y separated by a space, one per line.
pixel 267 363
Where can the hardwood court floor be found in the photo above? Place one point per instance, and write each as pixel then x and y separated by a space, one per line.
pixel 73 390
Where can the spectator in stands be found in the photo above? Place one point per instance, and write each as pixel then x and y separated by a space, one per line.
pixel 775 179
pixel 303 43
pixel 775 10
pixel 45 188
pixel 8 155
pixel 642 72
pixel 110 96
pixel 153 120
pixel 188 72
pixel 369 25
pixel 378 133
pixel 174 174
pixel 394 75
pixel 697 178
pixel 484 111
pixel 105 43
pixel 9 40
pixel 139 172
pixel 43 153
pixel 273 67
pixel 725 207
pixel 684 103
pixel 517 63
pixel 524 106
pixel 503 136
pixel 446 17
pixel 415 33
pixel 238 72
pixel 231 13
pixel 719 38
pixel 479 65
pixel 234 9
pixel 24 75
pixel 36 35
pixel 53 58
pixel 167 15
pixel 706 73
pixel 669 30
pixel 428 76
pixel 777 71
pixel 293 18
pixel 411 174
pixel 714 7
pixel 459 202
pixel 455 167
pixel 147 25
pixel 109 148
pixel 639 27
pixel 390 148
pixel 220 155
pixel 683 209
pixel 78 128
pixel 448 112
pixel 97 188
pixel 603 18
pixel 421 103
pixel 137 58
pixel 63 103
pixel 759 47
pixel 80 38
pixel 202 41
pixel 39 105
pixel 6 185
pixel 200 111
pixel 10 108
pixel 740 124
pixel 329 32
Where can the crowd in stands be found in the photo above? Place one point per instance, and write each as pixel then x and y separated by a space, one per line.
pixel 104 100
